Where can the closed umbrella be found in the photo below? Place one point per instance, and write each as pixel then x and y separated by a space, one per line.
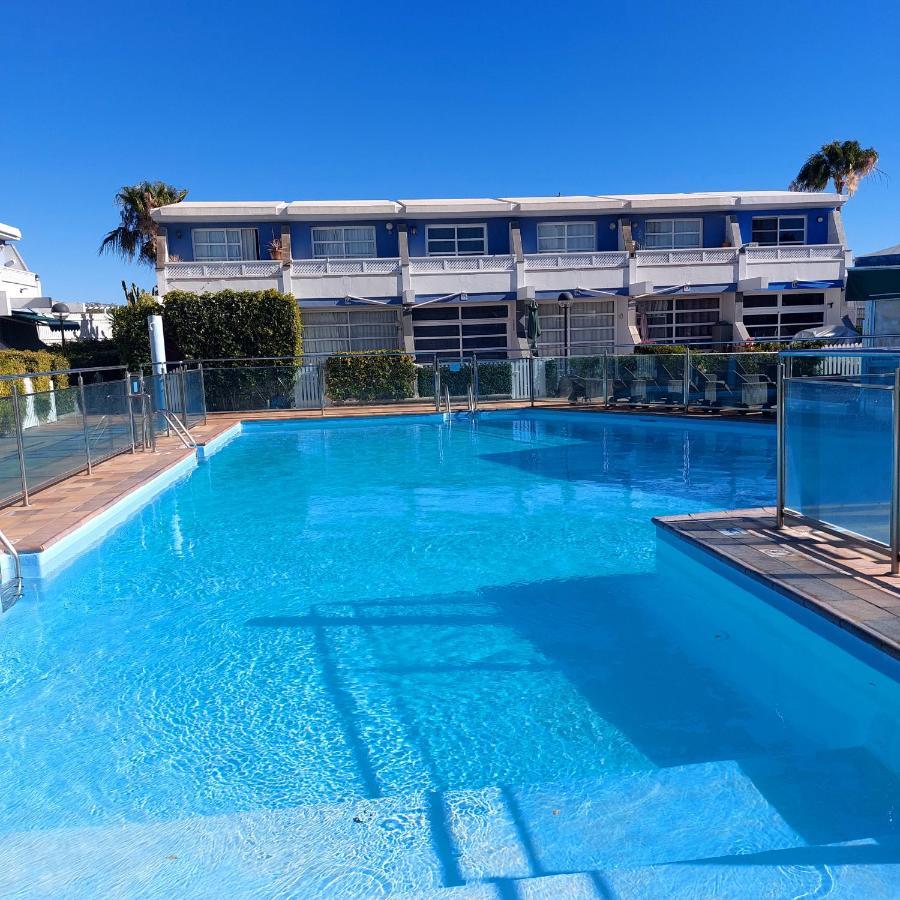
pixel 533 324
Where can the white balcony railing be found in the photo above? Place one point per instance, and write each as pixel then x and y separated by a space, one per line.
pixel 795 253
pixel 607 260
pixel 423 265
pixel 250 269
pixel 692 257
pixel 311 268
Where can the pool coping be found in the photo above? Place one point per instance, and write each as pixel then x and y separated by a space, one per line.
pixel 844 579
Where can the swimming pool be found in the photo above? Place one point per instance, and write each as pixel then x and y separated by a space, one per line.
pixel 354 657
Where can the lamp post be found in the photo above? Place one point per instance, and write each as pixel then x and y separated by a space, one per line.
pixel 61 311
pixel 564 300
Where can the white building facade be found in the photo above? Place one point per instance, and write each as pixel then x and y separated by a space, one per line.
pixel 458 276
pixel 21 291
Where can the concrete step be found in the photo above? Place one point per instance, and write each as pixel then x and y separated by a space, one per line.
pixel 693 820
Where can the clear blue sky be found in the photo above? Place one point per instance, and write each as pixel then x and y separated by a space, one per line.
pixel 302 100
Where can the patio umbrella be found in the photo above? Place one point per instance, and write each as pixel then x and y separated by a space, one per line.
pixel 533 323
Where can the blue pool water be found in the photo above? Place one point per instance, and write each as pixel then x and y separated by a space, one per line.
pixel 355 658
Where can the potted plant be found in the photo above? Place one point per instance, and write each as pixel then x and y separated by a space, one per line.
pixel 274 248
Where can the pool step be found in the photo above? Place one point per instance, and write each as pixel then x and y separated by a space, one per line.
pixel 703 815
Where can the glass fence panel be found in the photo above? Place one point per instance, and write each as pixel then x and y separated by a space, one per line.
pixel 249 388
pixel 379 378
pixel 838 454
pixel 572 379
pixel 869 368
pixel 109 426
pixel 52 436
pixel 647 379
pixel 746 381
pixel 10 479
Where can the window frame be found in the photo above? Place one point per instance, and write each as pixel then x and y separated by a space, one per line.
pixel 673 220
pixel 343 241
pixel 455 343
pixel 751 316
pixel 675 319
pixel 456 226
pixel 226 259
pixel 778 241
pixel 566 225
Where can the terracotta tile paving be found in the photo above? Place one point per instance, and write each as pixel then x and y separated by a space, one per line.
pixel 840 577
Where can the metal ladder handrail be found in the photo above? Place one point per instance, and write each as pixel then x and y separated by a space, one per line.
pixel 473 403
pixel 7 544
pixel 184 435
pixel 447 397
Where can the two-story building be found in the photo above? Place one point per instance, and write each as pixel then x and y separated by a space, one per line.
pixel 453 276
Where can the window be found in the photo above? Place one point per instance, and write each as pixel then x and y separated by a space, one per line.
pixel 343 330
pixel 453 329
pixel 344 242
pixel 566 237
pixel 591 328
pixel 774 230
pixel 779 316
pixel 673 234
pixel 222 244
pixel 456 240
pixel 677 320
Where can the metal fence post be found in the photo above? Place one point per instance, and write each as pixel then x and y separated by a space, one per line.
pixel 531 377
pixel 780 449
pixel 686 380
pixel 20 444
pixel 895 479
pixel 605 379
pixel 84 425
pixel 183 391
pixel 436 378
pixel 202 390
pixel 130 406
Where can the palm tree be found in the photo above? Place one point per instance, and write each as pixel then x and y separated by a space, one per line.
pixel 135 237
pixel 843 162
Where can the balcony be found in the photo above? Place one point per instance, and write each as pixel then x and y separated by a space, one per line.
pixel 336 278
pixel 565 271
pixel 255 275
pixel 463 274
pixel 703 265
pixel 800 262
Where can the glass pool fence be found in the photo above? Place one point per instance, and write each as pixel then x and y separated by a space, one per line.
pixel 839 442
pixel 60 423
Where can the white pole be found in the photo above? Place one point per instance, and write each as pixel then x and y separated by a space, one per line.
pixel 158 359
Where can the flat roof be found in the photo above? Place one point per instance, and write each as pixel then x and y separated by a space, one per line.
pixel 9 233
pixel 249 211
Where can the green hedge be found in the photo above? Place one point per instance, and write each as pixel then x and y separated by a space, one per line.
pixel 494 379
pixel 231 324
pixel 129 330
pixel 94 354
pixel 370 376
pixel 23 362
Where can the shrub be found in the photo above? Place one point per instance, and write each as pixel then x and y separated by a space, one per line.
pixel 129 328
pixel 494 378
pixel 23 362
pixel 660 348
pixel 231 324
pixel 94 354
pixel 371 376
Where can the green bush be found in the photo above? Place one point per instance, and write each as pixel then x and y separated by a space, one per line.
pixel 94 354
pixel 655 349
pixel 23 362
pixel 494 379
pixel 371 376
pixel 231 324
pixel 129 329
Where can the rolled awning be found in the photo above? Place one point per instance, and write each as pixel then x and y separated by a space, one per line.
pixel 27 315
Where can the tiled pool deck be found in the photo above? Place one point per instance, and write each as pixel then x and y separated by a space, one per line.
pixel 843 579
